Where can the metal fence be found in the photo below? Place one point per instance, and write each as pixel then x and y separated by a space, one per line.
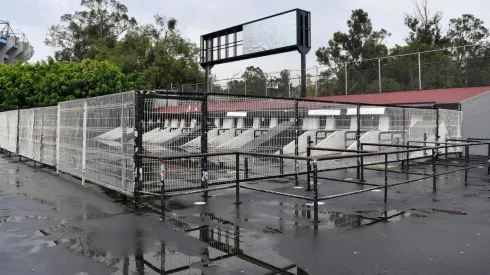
pixel 89 138
pixel 105 139
pixel 173 124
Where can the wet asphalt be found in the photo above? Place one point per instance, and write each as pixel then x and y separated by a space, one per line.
pixel 50 224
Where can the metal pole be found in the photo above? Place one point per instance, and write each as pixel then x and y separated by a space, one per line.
pixel 316 82
pixel 84 141
pixel 466 162
pixel 204 144
pixel 362 167
pixel 245 81
pixel 303 75
pixel 138 146
pixel 237 179
pixel 488 160
pixel 281 165
pixel 289 89
pixel 434 181
pixel 437 129
pixel 162 190
pixel 420 74
pixel 379 73
pixel 308 164
pixel 296 140
pixel 245 172
pixel 358 138
pixel 265 86
pixel 386 178
pixel 403 131
pixel 315 192
pixel 345 69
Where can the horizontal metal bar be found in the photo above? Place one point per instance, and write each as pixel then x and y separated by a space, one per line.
pixel 338 150
pixel 276 193
pixel 274 156
pixel 185 156
pixel 390 145
pixel 350 181
pixel 385 153
pixel 396 171
pixel 370 189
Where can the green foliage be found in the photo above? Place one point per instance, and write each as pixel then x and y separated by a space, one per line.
pixel 46 83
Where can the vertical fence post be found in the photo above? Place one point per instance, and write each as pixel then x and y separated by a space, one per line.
pixel 308 164
pixel 163 196
pixel 296 140
pixel 437 129
pixel 466 162
pixel 17 145
pixel 245 172
pixel 379 73
pixel 237 179
pixel 403 130
pixel 362 165
pixel 124 137
pixel 434 179
pixel 446 152
pixel 316 82
pixel 204 144
pixel 84 141
pixel 358 138
pixel 386 179
pixel 58 128
pixel 138 146
pixel 407 164
pixel 281 162
pixel 315 191
pixel 425 144
pixel 345 70
pixel 420 73
pixel 488 160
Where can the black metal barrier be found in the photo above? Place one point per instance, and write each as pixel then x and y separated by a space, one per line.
pixel 313 170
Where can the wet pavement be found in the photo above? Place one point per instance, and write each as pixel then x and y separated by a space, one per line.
pixel 51 224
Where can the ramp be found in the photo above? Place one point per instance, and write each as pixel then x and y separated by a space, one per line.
pixel 273 139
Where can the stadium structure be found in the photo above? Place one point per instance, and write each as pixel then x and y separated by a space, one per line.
pixel 14 45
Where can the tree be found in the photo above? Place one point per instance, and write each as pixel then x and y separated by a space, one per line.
pixel 358 43
pixel 46 83
pixel 347 49
pixel 255 79
pixel 425 26
pixel 86 33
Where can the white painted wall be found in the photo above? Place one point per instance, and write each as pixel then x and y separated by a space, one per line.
pixel 273 122
pixel 353 122
pixel 197 141
pixel 302 144
pixel 256 123
pixel 237 141
pixel 330 125
pixel 335 140
pixel 224 137
pixel 228 123
pixel 240 123
pixel 311 123
pixel 174 123
pixel 384 123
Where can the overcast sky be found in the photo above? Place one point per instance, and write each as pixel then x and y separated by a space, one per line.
pixel 197 17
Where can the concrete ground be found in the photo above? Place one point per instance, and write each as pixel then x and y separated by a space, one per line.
pixel 51 224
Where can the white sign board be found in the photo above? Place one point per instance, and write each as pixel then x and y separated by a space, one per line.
pixel 324 112
pixel 236 114
pixel 271 33
pixel 367 111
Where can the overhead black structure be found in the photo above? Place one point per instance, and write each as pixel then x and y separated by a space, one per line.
pixel 279 33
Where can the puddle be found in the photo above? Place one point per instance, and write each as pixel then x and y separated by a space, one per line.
pixel 445 211
pixel 233 248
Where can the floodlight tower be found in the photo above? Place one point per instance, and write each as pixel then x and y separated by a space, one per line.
pixel 14 45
